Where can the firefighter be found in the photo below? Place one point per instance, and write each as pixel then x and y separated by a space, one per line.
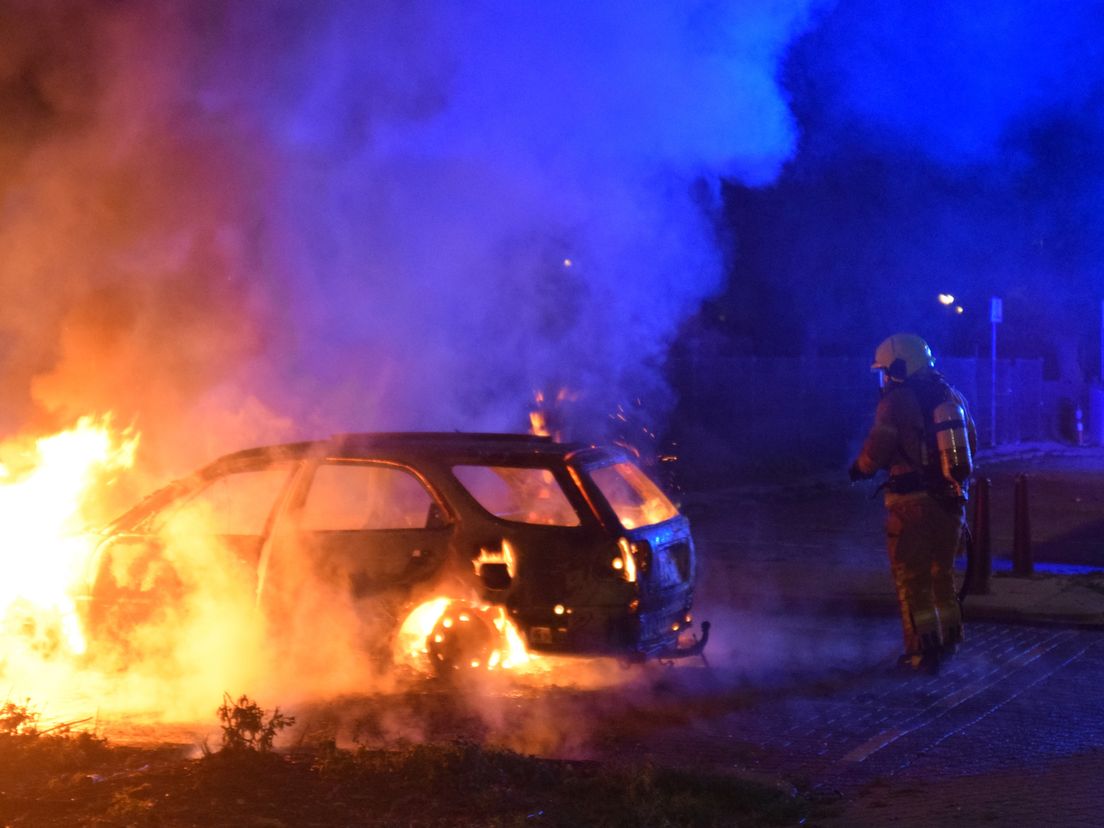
pixel 924 437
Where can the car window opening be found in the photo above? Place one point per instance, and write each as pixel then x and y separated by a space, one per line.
pixel 348 498
pixel 519 494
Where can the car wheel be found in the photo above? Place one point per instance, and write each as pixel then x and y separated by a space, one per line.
pixel 463 640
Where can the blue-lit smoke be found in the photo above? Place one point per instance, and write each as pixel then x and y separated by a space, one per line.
pixel 366 215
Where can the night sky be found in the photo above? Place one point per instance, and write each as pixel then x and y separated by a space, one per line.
pixel 267 220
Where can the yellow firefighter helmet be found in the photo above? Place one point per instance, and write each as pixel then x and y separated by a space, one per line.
pixel 902 355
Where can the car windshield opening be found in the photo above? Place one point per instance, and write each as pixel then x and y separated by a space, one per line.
pixel 635 499
pixel 522 495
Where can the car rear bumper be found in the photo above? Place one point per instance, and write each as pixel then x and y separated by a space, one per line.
pixel 631 631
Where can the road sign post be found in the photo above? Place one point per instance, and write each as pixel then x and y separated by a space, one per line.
pixel 996 316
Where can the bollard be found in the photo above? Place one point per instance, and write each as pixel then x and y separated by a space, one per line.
pixel 980 568
pixel 1022 565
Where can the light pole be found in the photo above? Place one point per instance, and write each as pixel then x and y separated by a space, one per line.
pixel 996 316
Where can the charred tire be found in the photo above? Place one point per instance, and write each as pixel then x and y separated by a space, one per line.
pixel 462 641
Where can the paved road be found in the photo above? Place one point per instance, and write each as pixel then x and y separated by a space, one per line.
pixel 1066 508
pixel 1009 732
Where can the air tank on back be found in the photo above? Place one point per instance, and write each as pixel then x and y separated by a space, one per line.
pixel 953 442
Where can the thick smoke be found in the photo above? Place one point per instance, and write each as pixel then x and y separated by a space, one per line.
pixel 945 148
pixel 251 221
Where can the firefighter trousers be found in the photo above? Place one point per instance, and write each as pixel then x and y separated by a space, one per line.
pixel 922 536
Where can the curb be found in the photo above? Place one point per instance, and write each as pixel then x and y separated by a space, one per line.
pixel 1010 615
pixel 992 607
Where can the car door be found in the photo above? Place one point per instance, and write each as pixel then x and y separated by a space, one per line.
pixel 370 527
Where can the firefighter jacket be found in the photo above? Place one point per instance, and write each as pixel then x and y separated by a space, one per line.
pixel 900 440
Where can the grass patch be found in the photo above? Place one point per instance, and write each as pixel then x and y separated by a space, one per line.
pixel 78 780
pixel 28 752
pixel 469 784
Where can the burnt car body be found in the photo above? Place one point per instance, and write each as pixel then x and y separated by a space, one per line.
pixel 583 552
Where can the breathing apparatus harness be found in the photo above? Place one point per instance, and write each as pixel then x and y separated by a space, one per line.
pixel 945 462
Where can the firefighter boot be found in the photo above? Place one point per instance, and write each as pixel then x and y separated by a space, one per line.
pixel 950 625
pixel 908 662
pixel 927 662
pixel 931 654
pixel 926 625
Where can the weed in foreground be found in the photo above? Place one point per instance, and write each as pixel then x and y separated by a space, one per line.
pixel 29 751
pixel 245 727
pixel 18 719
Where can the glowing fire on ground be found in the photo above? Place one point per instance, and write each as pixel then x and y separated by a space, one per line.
pixel 44 494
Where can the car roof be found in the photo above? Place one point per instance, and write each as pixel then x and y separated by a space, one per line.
pixel 447 446
pixel 452 448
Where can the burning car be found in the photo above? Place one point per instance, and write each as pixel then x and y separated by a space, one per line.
pixel 464 545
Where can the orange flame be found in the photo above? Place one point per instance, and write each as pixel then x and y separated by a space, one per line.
pixel 42 507
pixel 538 425
pixel 543 419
